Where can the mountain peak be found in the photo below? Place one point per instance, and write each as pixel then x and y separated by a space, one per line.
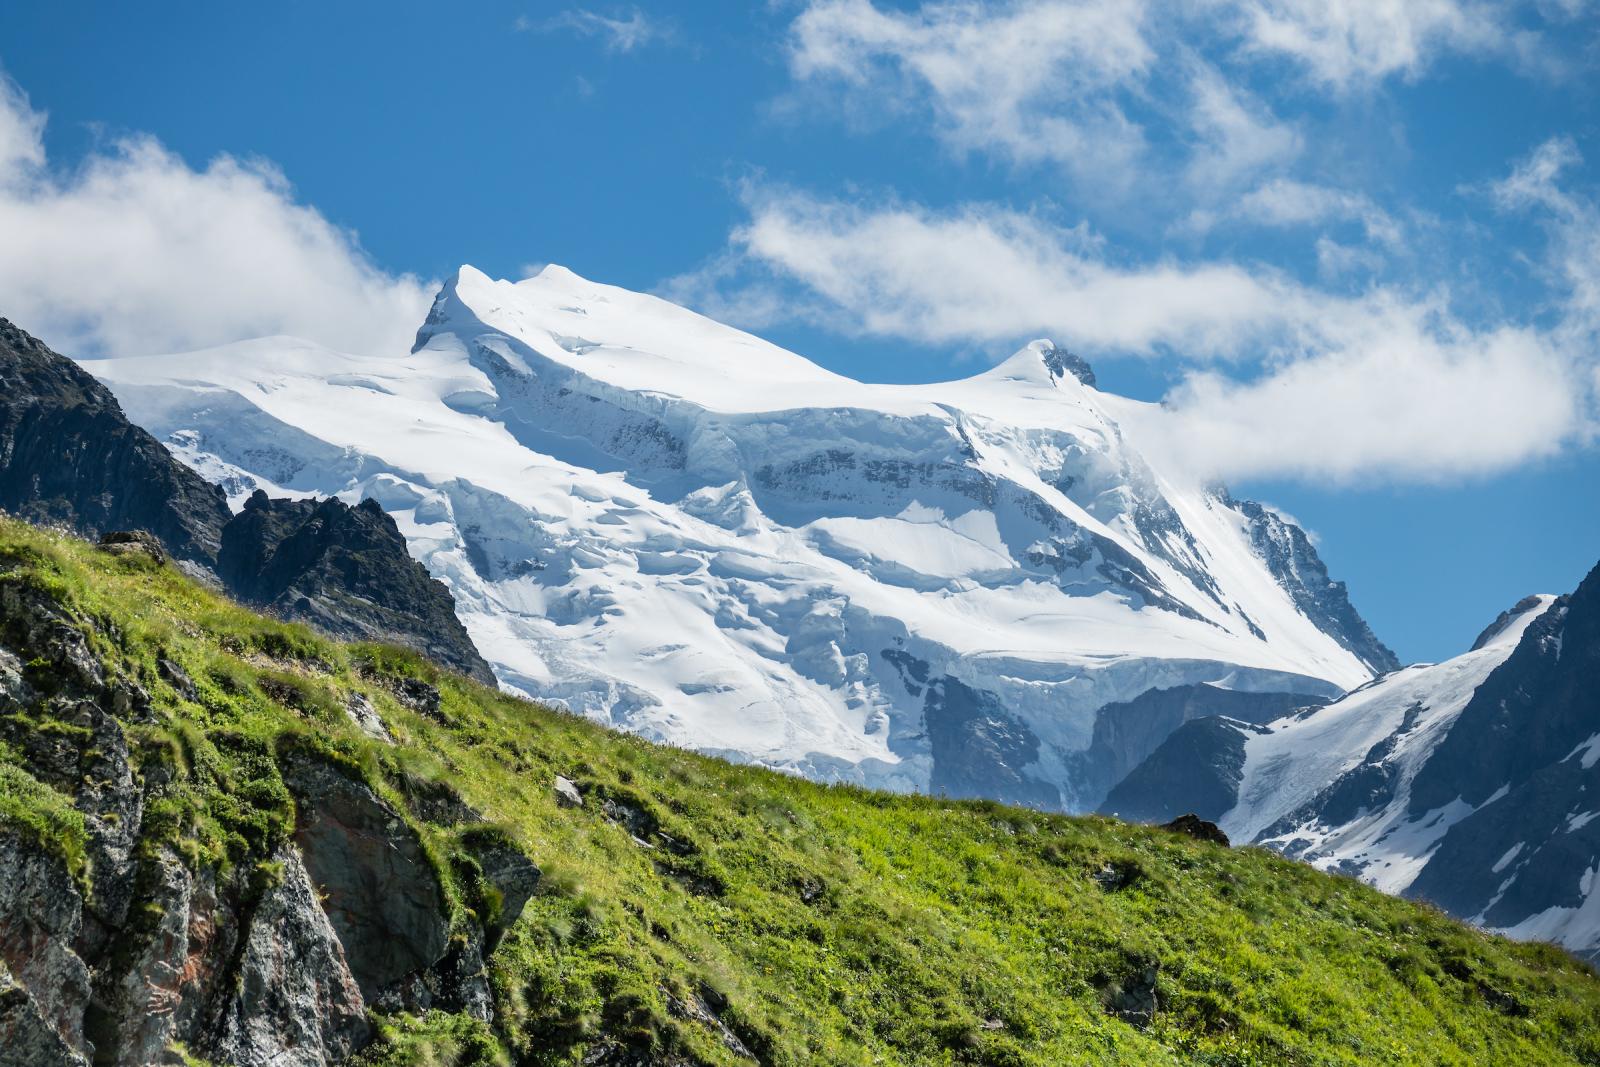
pixel 1045 363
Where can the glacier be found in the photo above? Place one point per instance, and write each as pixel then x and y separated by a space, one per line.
pixel 679 529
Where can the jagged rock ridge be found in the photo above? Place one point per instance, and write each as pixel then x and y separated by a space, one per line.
pixel 69 456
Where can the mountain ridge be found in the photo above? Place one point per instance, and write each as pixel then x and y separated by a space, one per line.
pixel 588 467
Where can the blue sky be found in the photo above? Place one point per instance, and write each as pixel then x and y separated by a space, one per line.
pixel 1353 243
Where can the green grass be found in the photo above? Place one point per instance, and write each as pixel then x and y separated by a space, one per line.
pixel 826 925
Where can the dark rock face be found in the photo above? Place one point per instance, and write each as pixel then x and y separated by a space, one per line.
pixel 1126 733
pixel 68 455
pixel 979 749
pixel 380 892
pixel 1196 770
pixel 346 571
pixel 295 1002
pixel 1294 562
pixel 1535 708
pixel 1200 829
pixel 1060 362
pixel 1528 732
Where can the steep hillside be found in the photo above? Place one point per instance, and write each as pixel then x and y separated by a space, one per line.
pixel 1470 783
pixel 227 833
pixel 679 529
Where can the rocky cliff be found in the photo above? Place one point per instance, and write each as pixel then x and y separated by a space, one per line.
pixel 69 456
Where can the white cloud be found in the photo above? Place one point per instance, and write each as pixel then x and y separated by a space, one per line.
pixel 1237 135
pixel 1387 384
pixel 134 251
pixel 1400 401
pixel 1573 225
pixel 1035 81
pixel 623 31
pixel 1351 44
pixel 1287 202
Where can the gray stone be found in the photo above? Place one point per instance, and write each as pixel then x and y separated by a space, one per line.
pixel 567 794
pixel 40 915
pixel 26 1037
pixel 377 886
pixel 294 1002
pixel 137 1005
pixel 366 718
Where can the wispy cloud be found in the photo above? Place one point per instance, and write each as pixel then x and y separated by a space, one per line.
pixel 1389 383
pixel 1032 82
pixel 622 30
pixel 134 251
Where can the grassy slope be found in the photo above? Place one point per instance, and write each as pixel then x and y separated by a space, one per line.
pixel 937 931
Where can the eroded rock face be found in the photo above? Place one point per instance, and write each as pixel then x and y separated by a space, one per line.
pixel 377 886
pixel 295 1002
pixel 46 986
pixel 26 1037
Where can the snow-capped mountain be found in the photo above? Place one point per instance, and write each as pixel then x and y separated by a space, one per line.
pixel 680 529
pixel 1471 783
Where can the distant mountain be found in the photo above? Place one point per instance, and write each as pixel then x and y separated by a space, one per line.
pixel 679 529
pixel 69 456
pixel 1470 783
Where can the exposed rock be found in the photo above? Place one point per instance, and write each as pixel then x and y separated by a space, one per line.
pixel 346 571
pixel 177 677
pixel 697 1007
pixel 294 1002
pixel 419 696
pixel 1061 362
pixel 40 915
pixel 1127 732
pixel 40 627
pixel 1133 998
pixel 134 543
pixel 515 877
pixel 135 1012
pixel 1198 828
pixel 366 718
pixel 377 886
pixel 69 455
pixel 567 794
pixel 1294 562
pixel 26 1037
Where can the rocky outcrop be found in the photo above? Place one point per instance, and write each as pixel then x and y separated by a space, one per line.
pixel 346 571
pixel 1294 562
pixel 45 989
pixel 274 958
pixel 70 457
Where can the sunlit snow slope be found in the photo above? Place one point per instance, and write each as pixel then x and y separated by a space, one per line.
pixel 680 529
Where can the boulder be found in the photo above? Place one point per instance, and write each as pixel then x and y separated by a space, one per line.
pixel 1198 828
pixel 134 543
